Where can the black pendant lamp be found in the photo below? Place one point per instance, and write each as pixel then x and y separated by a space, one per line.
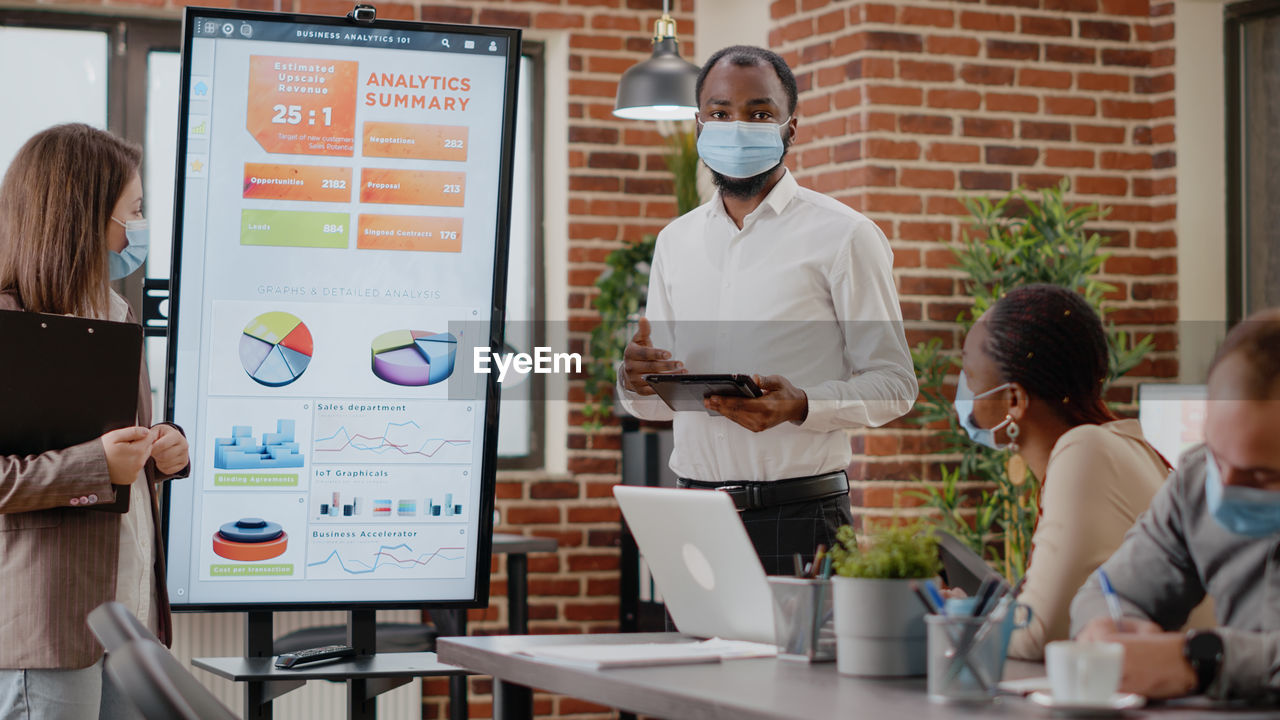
pixel 662 87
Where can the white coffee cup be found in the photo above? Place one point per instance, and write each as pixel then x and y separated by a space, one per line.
pixel 1084 672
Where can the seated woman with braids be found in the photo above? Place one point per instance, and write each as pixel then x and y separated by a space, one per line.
pixel 1035 365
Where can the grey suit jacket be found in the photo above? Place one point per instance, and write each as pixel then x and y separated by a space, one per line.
pixel 59 561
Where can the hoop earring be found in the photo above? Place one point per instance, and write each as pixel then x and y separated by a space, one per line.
pixel 1013 431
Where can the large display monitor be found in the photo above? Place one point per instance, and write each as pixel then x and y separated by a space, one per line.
pixel 341 219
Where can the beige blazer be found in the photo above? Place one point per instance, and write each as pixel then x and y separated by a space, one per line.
pixel 58 562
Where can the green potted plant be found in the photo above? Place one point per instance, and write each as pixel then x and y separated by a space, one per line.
pixel 879 621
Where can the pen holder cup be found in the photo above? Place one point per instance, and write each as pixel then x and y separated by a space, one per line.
pixel 803 619
pixel 966 657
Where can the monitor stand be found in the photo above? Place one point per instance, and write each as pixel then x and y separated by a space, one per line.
pixel 367 675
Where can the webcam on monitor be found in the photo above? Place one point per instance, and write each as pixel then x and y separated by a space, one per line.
pixel 363 13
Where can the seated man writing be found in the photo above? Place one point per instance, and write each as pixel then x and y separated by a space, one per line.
pixel 1213 528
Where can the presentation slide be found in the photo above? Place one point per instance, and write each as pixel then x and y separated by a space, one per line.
pixel 342 196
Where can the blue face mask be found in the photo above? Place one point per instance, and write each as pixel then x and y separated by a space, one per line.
pixel 741 149
pixel 1252 512
pixel 965 400
pixel 124 263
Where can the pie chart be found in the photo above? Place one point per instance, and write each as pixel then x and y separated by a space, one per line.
pixel 413 357
pixel 275 349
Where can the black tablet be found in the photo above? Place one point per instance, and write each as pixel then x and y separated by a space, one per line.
pixel 962 567
pixel 684 392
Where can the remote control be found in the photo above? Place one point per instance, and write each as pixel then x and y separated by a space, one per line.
pixel 311 655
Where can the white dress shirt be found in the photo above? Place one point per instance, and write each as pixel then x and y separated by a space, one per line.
pixel 804 290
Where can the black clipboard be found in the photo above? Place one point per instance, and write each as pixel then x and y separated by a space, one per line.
pixel 64 381
pixel 684 392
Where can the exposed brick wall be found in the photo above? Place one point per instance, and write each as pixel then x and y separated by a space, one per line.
pixel 907 106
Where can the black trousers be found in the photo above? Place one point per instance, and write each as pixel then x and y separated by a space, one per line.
pixel 780 532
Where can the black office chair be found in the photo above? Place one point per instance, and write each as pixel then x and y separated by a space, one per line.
pixel 114 626
pixel 147 673
pixel 157 684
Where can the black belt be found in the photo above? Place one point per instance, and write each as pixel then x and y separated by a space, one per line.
pixel 758 495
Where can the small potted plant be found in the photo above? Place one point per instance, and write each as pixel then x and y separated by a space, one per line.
pixel 880 628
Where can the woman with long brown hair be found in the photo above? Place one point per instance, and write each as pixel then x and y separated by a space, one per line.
pixel 70 222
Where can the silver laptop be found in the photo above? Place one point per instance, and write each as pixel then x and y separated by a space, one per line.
pixel 702 561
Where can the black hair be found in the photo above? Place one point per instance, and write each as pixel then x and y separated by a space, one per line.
pixel 1049 340
pixel 1256 339
pixel 750 56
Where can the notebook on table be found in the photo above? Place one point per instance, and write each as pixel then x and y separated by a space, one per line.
pixel 629 655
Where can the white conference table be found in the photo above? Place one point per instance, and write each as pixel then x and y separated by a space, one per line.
pixel 761 689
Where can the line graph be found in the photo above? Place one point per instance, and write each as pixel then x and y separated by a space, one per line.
pixel 391 556
pixel 395 551
pixel 383 444
pixel 423 432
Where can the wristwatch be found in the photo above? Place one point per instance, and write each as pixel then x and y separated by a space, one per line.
pixel 1203 652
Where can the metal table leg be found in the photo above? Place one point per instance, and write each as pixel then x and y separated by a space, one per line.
pixel 454 623
pixel 511 701
pixel 518 594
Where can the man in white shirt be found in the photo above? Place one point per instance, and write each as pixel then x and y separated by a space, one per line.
pixel 783 283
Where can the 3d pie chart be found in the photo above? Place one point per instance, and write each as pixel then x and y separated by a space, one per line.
pixel 413 357
pixel 250 539
pixel 275 349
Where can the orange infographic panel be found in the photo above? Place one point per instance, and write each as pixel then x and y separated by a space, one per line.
pixel 412 187
pixel 302 106
pixel 297 182
pixel 405 232
pixel 419 142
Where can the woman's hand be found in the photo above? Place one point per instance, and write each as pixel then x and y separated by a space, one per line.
pixel 127 451
pixel 170 449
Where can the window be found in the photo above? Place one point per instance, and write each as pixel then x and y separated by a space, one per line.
pixel 132 93
pixel 1253 156
pixel 520 412
pixel 74 61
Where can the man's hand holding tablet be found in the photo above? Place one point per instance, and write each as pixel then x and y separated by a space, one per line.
pixel 754 402
pixel 779 402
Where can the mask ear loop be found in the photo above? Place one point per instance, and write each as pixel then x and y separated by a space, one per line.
pixel 1011 427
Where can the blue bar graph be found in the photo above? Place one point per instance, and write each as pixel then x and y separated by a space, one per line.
pixel 240 452
pixel 449 509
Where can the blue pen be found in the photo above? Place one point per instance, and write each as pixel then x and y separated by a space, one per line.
pixel 936 597
pixel 1113 601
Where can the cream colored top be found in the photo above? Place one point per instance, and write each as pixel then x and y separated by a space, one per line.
pixel 1100 478
pixel 135 576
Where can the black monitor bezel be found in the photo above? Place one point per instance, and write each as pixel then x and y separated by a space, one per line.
pixel 489 463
